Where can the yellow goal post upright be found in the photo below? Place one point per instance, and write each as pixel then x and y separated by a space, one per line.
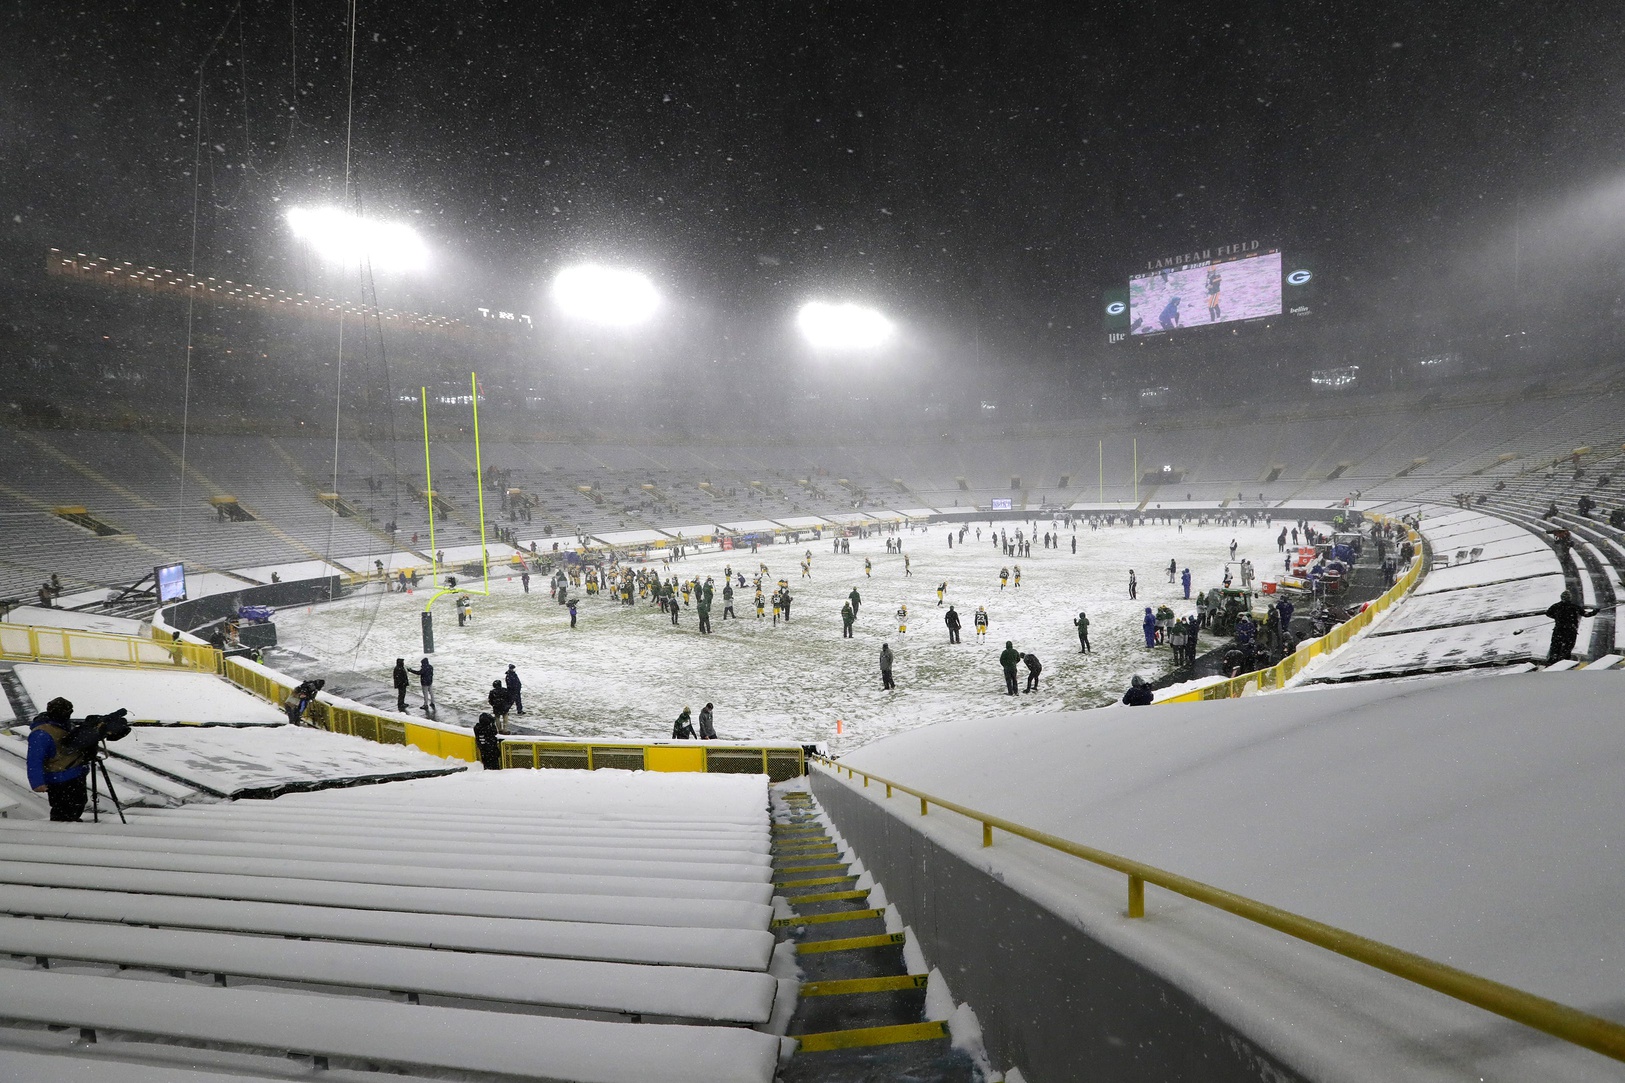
pixel 428 492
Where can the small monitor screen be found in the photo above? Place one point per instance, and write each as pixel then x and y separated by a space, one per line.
pixel 171 580
pixel 1001 503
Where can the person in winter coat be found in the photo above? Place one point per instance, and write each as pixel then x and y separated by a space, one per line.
pixel 683 728
pixel 400 680
pixel 1185 581
pixel 1139 694
pixel 1082 625
pixel 299 699
pixel 857 600
pixel 55 767
pixel 1150 626
pixel 1008 659
pixel 708 729
pixel 500 704
pixel 1034 668
pixel 486 742
pixel 514 687
pixel 425 676
pixel 846 620
pixel 1176 639
pixel 885 666
pixel 571 605
pixel 951 619
pixel 1133 586
pixel 1565 614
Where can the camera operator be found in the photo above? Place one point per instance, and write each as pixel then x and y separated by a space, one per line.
pixel 56 766
pixel 61 752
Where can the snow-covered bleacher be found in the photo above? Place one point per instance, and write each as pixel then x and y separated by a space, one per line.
pixel 560 925
pixel 1385 448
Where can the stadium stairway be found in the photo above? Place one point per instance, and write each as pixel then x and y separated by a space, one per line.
pixel 862 1013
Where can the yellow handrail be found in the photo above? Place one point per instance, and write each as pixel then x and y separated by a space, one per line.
pixel 37 643
pixel 1559 1020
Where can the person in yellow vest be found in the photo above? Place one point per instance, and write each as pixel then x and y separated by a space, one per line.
pixel 867 567
pixel 56 766
pixel 942 588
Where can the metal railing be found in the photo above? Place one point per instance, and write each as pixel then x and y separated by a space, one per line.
pixel 33 643
pixel 1559 1020
pixel 778 762
pixel 1278 675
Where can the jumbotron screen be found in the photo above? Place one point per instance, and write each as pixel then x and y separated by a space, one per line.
pixel 1205 293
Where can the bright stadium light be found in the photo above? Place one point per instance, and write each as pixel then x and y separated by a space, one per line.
pixel 344 238
pixel 608 296
pixel 842 326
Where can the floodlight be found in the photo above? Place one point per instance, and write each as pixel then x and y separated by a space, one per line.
pixel 609 296
pixel 345 238
pixel 842 326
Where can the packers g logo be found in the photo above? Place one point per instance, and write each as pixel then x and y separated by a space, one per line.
pixel 1298 278
pixel 1116 308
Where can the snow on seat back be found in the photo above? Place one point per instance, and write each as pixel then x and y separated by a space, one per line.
pixel 669 991
pixel 633 881
pixel 407 1036
pixel 401 839
pixel 65 1067
pixel 730 949
pixel 689 863
pixel 693 801
pixel 611 909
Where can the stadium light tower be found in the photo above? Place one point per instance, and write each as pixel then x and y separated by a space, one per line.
pixel 348 239
pixel 843 327
pixel 607 296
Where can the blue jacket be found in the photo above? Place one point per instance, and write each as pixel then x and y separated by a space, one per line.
pixel 41 747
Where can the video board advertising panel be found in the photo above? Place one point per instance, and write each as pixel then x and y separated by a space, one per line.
pixel 1207 292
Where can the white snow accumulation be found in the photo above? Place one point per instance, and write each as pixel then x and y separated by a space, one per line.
pixel 605 927
pixel 1467 611
pixel 179 696
pixel 1473 819
pixel 627 672
pixel 228 760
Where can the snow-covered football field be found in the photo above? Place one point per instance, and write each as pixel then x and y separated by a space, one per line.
pixel 627 672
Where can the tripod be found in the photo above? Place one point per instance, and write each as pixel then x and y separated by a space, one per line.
pixel 98 775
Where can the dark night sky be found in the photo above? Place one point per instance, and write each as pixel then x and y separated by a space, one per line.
pixel 946 159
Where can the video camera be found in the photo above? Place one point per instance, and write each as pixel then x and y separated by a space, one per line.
pixel 92 730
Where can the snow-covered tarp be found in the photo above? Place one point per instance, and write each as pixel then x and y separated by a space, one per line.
pixel 230 760
pixel 317 569
pixel 150 695
pixel 40 617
